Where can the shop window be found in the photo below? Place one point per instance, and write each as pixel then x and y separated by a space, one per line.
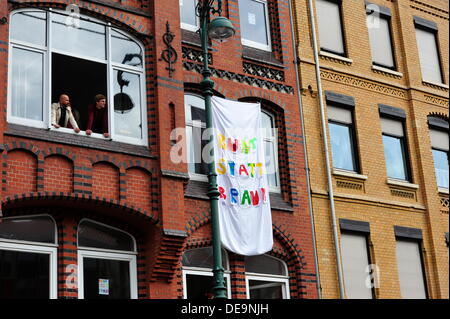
pixel 81 60
pixel 197 273
pixel 28 258
pixel 266 277
pixel 106 262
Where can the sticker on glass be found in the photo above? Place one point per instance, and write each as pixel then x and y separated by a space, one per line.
pixel 251 18
pixel 103 287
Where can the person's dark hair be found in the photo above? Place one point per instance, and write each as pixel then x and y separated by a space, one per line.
pixel 99 97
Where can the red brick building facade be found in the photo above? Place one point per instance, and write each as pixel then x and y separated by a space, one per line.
pixel 127 183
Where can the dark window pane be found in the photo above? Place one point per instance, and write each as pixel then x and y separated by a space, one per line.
pixel 200 287
pixel 125 50
pixel 36 229
pixel 441 166
pixel 98 236
pixel 265 289
pixel 342 148
pixel 253 21
pixel 202 258
pixel 27 84
pixel 395 157
pixel 106 279
pixel 23 22
pixel 24 275
pixel 265 265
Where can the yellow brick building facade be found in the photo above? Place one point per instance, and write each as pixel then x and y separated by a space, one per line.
pixel 368 195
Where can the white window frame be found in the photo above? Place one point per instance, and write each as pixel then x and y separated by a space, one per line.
pixel 99 253
pixel 38 248
pixel 274 139
pixel 258 45
pixel 83 253
pixel 272 278
pixel 110 67
pixel 198 125
pixel 190 27
pixel 207 272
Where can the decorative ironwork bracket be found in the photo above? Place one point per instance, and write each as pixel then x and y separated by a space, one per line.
pixel 169 55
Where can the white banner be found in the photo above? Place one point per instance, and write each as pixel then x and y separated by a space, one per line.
pixel 244 206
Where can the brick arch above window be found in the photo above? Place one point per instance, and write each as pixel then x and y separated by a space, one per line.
pixel 137 26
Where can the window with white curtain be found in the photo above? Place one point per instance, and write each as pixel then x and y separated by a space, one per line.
pixel 381 41
pixel 429 54
pixel 254 23
pixel 188 16
pixel 410 271
pixel 355 260
pixel 79 58
pixel 330 26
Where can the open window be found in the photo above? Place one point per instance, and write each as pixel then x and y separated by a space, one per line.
pixel 80 58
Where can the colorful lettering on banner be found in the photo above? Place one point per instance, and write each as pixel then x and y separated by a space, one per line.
pixel 244 212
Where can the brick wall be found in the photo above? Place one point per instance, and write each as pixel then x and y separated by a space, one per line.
pixel 369 197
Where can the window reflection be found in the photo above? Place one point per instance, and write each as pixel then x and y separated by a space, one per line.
pixel 27 84
pixel 187 12
pixel 23 22
pixel 89 39
pixel 254 21
pixel 127 104
pixel 341 146
pixel 395 157
pixel 441 167
pixel 125 50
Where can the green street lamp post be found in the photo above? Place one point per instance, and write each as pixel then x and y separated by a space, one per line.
pixel 220 29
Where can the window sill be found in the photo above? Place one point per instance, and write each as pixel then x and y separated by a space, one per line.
pixel 335 58
pixel 443 190
pixel 439 86
pixel 338 172
pixel 404 184
pixel 261 56
pixel 386 71
pixel 69 137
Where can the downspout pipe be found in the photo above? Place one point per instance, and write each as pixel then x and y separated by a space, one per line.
pixel 305 152
pixel 326 151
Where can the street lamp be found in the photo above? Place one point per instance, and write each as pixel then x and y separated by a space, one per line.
pixel 220 29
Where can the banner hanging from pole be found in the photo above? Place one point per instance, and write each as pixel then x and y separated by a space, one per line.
pixel 244 206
